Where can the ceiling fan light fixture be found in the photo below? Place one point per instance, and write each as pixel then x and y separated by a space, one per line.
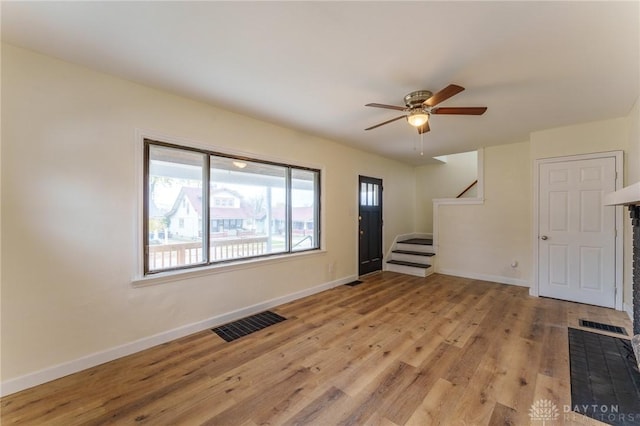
pixel 417 118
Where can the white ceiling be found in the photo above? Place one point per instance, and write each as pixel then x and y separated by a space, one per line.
pixel 312 66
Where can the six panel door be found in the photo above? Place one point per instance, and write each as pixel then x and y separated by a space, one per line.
pixel 576 241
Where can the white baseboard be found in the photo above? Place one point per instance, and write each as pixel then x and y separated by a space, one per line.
pixel 483 277
pixel 57 371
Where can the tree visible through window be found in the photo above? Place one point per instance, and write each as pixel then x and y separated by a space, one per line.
pixel 248 208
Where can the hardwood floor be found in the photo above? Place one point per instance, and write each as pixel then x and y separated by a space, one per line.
pixel 394 350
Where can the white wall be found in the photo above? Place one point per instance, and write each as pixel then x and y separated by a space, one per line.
pixel 482 240
pixel 70 201
pixel 632 175
pixel 633 157
pixel 443 180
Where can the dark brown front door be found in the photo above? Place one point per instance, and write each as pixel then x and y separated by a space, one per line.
pixel 370 224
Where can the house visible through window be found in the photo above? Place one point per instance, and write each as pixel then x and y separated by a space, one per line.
pixel 259 209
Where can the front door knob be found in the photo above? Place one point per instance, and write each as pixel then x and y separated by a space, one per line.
pixel 544 237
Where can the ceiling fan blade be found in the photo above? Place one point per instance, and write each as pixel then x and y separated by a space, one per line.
pixel 424 128
pixel 398 108
pixel 385 122
pixel 460 110
pixel 443 95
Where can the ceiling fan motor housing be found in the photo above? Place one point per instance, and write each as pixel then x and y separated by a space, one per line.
pixel 417 98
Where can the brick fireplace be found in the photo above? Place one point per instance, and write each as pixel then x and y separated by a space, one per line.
pixel 635 223
pixel 630 196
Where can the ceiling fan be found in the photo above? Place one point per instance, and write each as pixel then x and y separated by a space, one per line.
pixel 422 103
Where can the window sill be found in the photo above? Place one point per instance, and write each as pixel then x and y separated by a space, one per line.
pixel 172 276
pixel 459 201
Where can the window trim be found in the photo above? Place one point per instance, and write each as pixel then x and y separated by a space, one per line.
pixel 218 268
pixel 143 274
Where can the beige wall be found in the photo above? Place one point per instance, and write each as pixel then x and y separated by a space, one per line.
pixel 633 154
pixel 70 200
pixel 443 180
pixel 587 138
pixel 483 240
pixel 632 175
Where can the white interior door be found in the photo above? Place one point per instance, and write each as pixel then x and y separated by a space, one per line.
pixel 576 241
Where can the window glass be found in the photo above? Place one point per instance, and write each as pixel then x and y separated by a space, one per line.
pixel 375 195
pixel 369 194
pixel 249 207
pixel 246 208
pixel 174 208
pixel 304 209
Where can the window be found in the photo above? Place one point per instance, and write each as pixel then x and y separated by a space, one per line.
pixel 247 207
pixel 304 210
pixel 368 194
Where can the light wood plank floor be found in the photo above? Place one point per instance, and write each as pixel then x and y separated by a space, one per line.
pixel 395 350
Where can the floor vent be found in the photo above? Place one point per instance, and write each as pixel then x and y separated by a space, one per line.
pixel 603 327
pixel 354 283
pixel 242 327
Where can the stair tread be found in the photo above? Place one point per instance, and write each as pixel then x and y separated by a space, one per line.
pixel 418 241
pixel 417 253
pixel 414 264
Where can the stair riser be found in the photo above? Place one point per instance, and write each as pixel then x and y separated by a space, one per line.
pixel 415 247
pixel 409 270
pixel 416 258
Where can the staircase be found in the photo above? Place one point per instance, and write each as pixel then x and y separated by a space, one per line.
pixel 413 256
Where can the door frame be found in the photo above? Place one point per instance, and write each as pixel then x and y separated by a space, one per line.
pixel 534 290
